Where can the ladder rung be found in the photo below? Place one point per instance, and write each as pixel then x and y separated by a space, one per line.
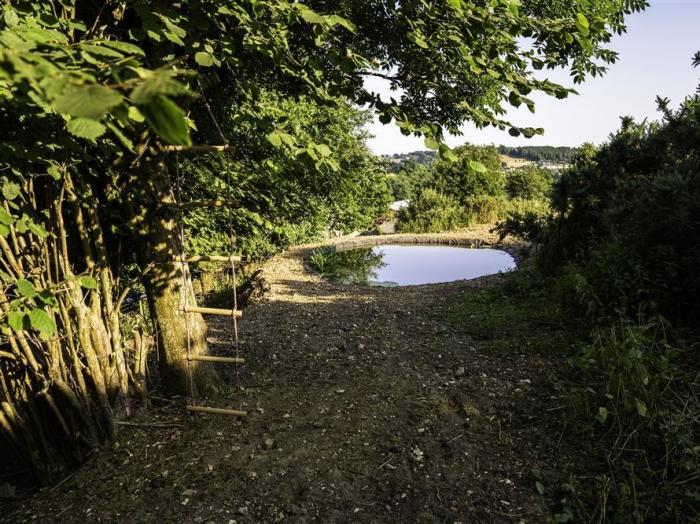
pixel 218 202
pixel 197 148
pixel 222 360
pixel 214 311
pixel 211 258
pixel 216 411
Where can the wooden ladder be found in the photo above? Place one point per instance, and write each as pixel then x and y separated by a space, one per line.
pixel 232 259
pixel 232 313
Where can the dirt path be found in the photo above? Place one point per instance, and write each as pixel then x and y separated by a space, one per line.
pixel 365 406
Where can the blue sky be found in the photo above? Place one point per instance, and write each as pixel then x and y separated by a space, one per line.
pixel 655 59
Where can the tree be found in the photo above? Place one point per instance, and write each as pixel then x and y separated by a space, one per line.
pixel 92 94
pixel 476 173
pixel 529 182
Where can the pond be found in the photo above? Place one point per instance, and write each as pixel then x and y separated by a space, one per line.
pixel 410 265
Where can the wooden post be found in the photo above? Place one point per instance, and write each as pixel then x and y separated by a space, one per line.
pixel 220 360
pixel 214 311
pixel 197 148
pixel 209 258
pixel 216 411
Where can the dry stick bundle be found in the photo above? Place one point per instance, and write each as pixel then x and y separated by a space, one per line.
pixel 60 395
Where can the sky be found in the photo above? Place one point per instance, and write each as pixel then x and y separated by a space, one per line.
pixel 654 59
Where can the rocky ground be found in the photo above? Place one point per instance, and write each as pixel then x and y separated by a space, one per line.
pixel 365 405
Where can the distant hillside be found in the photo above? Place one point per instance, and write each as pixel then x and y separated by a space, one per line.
pixel 400 161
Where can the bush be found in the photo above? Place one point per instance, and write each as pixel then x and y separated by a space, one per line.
pixel 477 173
pixel 529 183
pixel 627 395
pixel 431 212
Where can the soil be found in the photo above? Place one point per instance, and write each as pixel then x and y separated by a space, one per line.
pixel 364 405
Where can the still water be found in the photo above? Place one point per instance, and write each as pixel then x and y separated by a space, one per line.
pixel 409 265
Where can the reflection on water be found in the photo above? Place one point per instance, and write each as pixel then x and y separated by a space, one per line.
pixel 407 265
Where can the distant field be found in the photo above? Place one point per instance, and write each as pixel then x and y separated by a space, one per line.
pixel 512 162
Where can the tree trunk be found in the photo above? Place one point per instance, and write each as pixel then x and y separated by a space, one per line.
pixel 169 285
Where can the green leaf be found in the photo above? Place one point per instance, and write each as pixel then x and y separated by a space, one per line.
pixel 156 83
pixel 204 59
pixel 37 229
pixel 136 115
pixel 54 171
pixel 10 16
pixel 447 154
pixel 167 120
pixel 641 408
pixel 343 22
pixel 46 297
pixel 602 415
pixel 87 282
pixel 312 17
pixel 275 139
pixel 26 288
pixel 10 190
pixel 539 487
pixel 431 143
pixel 86 128
pixel 5 218
pixel 455 5
pixel 125 47
pixel 418 39
pixel 478 167
pixel 324 150
pixel 42 322
pixel 87 101
pixel 18 320
pixel 582 24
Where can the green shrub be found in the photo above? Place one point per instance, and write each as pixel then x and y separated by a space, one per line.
pixel 626 393
pixel 529 183
pixel 431 212
pixel 476 173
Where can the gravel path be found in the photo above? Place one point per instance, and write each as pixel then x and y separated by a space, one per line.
pixel 365 404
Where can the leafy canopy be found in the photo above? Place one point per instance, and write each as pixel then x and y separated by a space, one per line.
pixel 110 72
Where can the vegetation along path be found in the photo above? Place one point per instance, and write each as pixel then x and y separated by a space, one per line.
pixel 366 404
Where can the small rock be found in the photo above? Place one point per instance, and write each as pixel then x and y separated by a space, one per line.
pixel 268 443
pixel 525 381
pixel 471 411
pixel 340 391
pixel 460 371
pixel 417 454
pixel 243 510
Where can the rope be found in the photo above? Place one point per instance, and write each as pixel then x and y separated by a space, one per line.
pixel 234 332
pixel 185 267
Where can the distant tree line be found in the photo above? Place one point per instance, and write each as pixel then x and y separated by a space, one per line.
pixel 540 153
